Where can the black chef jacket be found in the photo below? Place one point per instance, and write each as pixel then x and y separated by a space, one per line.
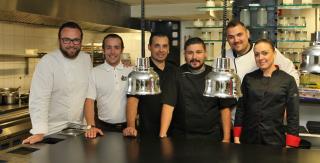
pixel 150 106
pixel 194 115
pixel 261 109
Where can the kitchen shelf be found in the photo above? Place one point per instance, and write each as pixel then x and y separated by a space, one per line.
pixel 23 56
pixel 294 41
pixel 291 27
pixel 262 27
pixel 210 41
pixel 283 6
pixel 20 56
pixel 253 7
pixel 298 6
pixel 216 8
pixel 204 27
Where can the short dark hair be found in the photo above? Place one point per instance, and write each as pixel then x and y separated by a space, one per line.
pixel 112 36
pixel 70 25
pixel 235 22
pixel 267 41
pixel 156 34
pixel 194 40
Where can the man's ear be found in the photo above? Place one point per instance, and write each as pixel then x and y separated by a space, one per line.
pixel 248 33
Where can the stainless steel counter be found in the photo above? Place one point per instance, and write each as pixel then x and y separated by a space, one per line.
pixel 114 148
pixel 15 124
pixel 10 108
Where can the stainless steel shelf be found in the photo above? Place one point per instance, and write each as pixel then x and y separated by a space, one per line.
pixel 282 6
pixel 20 56
pixel 210 41
pixel 216 8
pixel 204 27
pixel 298 6
pixel 291 27
pixel 294 41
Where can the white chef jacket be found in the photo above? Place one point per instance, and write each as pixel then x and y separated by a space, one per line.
pixel 108 85
pixel 246 63
pixel 58 91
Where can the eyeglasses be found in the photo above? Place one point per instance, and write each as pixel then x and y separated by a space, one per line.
pixel 75 41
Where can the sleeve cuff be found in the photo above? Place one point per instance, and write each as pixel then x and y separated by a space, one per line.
pixel 237 131
pixel 39 130
pixel 292 140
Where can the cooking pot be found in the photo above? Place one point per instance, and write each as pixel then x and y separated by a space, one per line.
pixel 9 95
pixel 10 98
pixel 24 98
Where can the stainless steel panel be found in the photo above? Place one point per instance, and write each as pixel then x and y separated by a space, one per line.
pixel 97 15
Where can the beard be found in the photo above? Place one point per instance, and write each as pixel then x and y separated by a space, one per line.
pixel 68 54
pixel 195 68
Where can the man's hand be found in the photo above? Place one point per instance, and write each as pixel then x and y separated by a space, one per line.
pixel 92 132
pixel 237 140
pixel 130 131
pixel 126 63
pixel 33 139
pixel 226 141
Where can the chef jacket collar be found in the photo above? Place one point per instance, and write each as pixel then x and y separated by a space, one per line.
pixel 108 67
pixel 274 72
pixel 235 55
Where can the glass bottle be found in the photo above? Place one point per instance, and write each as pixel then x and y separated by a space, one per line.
pixel 300 20
pixel 287 2
pixel 262 17
pixel 245 17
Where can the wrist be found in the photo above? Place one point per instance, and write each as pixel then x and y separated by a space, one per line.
pixel 162 135
pixel 131 125
pixel 91 126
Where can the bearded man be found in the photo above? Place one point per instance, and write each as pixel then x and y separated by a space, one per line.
pixel 59 85
pixel 185 109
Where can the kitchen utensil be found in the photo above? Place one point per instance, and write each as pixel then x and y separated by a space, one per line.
pixel 222 81
pixel 210 3
pixel 311 57
pixel 71 132
pixel 10 98
pixel 210 23
pixel 9 95
pixel 198 23
pixel 264 34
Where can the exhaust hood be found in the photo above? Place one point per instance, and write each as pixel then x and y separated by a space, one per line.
pixel 95 15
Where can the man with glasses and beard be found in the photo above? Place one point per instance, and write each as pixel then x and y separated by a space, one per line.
pixel 194 115
pixel 59 85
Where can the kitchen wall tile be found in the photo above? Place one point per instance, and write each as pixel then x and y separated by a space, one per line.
pixel 1 43
pixel 18 29
pixel 8 43
pixel 7 29
pixel 28 30
pixel 29 44
pixel 18 44
pixel 1 28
